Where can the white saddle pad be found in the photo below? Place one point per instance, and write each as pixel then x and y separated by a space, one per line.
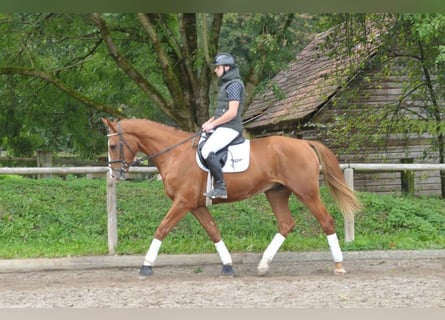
pixel 238 158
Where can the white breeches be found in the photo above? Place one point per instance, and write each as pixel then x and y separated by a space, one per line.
pixel 220 138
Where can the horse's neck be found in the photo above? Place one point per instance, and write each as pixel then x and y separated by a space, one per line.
pixel 155 138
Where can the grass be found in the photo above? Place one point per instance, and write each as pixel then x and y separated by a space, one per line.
pixel 53 217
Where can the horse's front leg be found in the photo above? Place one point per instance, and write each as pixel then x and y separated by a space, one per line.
pixel 173 216
pixel 204 217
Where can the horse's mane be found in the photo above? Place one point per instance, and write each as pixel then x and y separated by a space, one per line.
pixel 160 126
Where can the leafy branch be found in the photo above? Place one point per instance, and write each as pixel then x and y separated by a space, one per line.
pixel 59 84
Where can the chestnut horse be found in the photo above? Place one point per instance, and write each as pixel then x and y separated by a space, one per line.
pixel 279 166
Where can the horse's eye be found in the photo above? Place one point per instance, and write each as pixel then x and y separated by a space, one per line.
pixel 112 146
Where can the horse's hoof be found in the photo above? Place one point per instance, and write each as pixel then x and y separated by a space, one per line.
pixel 339 272
pixel 145 272
pixel 227 271
pixel 262 272
pixel 263 267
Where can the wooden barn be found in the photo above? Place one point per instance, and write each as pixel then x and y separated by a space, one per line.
pixel 310 98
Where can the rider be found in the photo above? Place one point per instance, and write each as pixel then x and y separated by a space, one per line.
pixel 226 123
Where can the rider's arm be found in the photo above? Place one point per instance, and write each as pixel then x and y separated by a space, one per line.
pixel 208 121
pixel 234 93
pixel 226 117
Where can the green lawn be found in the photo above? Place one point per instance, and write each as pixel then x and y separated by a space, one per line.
pixel 54 217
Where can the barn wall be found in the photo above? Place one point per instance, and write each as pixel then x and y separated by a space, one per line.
pixel 425 182
pixel 371 88
pixel 375 92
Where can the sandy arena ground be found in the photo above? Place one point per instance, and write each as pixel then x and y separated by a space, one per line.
pixel 387 280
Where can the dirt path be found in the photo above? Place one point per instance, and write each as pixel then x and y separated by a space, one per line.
pixel 370 282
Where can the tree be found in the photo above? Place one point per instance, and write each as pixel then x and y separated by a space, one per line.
pixel 415 42
pixel 137 65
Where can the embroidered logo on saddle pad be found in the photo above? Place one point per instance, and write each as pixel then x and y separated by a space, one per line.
pixel 234 158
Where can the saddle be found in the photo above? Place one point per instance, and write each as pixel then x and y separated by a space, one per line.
pixel 233 158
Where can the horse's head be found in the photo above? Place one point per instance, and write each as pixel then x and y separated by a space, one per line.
pixel 121 153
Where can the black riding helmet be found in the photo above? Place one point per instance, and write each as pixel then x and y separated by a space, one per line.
pixel 224 59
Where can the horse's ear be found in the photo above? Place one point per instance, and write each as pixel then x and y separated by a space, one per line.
pixel 109 124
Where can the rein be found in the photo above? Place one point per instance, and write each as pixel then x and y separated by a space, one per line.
pixel 122 142
pixel 168 148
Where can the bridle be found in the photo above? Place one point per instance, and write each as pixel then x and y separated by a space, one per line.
pixel 124 164
pixel 122 142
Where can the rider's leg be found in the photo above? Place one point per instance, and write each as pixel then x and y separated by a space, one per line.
pixel 220 138
pixel 219 186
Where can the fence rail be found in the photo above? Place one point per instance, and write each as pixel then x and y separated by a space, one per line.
pixel 348 170
pixel 394 166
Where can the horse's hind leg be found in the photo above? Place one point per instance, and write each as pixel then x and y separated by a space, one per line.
pixel 318 209
pixel 206 220
pixel 279 201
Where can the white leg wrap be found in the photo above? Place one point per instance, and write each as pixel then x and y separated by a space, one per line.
pixel 273 247
pixel 224 254
pixel 335 247
pixel 269 253
pixel 152 252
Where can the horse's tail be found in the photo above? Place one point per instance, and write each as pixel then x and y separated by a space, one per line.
pixel 343 195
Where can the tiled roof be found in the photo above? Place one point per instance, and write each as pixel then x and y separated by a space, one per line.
pixel 308 83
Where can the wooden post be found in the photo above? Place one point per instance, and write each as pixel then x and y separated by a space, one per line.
pixel 111 214
pixel 349 220
pixel 407 178
pixel 44 160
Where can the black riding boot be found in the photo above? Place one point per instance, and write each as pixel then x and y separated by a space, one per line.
pixel 219 190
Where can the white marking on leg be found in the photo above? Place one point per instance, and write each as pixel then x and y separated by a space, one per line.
pixel 269 253
pixel 224 254
pixel 152 252
pixel 337 255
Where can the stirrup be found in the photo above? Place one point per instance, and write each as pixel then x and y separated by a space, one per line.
pixel 216 193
